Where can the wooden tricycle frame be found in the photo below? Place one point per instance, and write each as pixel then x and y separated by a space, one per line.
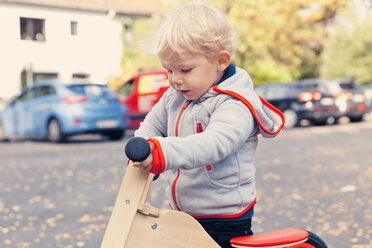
pixel 135 223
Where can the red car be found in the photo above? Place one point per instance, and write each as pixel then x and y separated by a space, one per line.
pixel 141 92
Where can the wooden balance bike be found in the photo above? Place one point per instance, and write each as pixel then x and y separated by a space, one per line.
pixel 136 224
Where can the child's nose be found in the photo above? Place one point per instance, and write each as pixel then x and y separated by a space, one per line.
pixel 176 79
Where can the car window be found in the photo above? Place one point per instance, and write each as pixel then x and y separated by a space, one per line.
pixel 321 87
pixel 348 86
pixel 89 89
pixel 312 86
pixel 126 89
pixel 44 91
pixel 27 95
pixel 324 89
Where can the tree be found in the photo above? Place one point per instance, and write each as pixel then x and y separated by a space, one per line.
pixel 135 56
pixel 278 40
pixel 347 52
pixel 281 40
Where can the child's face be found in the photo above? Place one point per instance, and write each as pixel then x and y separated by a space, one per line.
pixel 192 75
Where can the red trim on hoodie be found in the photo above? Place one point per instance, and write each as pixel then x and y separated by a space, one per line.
pixel 179 117
pixel 174 190
pixel 158 161
pixel 250 107
pixel 179 171
pixel 227 216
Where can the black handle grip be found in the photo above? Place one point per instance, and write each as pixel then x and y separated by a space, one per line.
pixel 137 149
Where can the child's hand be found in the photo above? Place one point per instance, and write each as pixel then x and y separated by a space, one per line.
pixel 145 164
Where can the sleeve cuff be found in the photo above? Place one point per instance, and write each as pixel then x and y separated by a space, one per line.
pixel 158 161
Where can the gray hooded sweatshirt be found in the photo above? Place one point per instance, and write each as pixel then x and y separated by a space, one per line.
pixel 208 145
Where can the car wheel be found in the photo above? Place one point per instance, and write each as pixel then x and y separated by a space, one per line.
pixel 356 119
pixel 2 134
pixel 54 131
pixel 320 122
pixel 116 135
pixel 291 118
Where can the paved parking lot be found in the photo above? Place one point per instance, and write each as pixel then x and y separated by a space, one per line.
pixel 318 178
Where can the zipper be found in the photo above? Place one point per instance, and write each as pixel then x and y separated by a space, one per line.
pixel 179 117
pixel 174 190
pixel 199 129
pixel 179 171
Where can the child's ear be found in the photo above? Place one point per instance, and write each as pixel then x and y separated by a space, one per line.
pixel 223 60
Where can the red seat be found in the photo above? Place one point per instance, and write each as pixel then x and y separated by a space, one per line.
pixel 283 237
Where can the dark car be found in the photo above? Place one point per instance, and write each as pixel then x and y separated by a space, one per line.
pixel 368 93
pixel 297 103
pixel 349 97
pixel 56 111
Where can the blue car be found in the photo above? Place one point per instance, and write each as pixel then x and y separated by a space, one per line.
pixel 55 111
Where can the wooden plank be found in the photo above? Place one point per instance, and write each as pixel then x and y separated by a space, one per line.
pixel 125 208
pixel 170 229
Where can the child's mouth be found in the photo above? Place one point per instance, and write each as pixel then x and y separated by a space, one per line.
pixel 183 92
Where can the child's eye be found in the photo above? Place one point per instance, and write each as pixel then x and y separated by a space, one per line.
pixel 169 71
pixel 186 70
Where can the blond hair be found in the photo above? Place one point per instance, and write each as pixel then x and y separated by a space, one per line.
pixel 196 27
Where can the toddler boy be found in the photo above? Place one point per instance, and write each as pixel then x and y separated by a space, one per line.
pixel 203 131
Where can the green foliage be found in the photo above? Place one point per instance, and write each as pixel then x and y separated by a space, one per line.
pixel 135 57
pixel 264 71
pixel 278 40
pixel 348 52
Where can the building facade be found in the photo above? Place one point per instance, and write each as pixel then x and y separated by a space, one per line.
pixel 62 39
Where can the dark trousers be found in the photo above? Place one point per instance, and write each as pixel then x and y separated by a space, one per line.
pixel 223 231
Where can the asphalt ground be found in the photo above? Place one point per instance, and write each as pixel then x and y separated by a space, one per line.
pixel 61 195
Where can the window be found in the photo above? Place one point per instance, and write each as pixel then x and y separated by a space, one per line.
pixel 89 89
pixel 40 76
pixel 44 91
pixel 80 76
pixel 32 29
pixel 28 77
pixel 311 87
pixel 28 95
pixel 128 35
pixel 74 28
pixel 126 89
pixel 348 85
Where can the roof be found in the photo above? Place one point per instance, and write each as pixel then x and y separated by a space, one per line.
pixel 124 7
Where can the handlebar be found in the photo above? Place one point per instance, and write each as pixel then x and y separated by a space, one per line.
pixel 137 149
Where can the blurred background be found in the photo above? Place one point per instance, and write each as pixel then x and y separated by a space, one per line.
pixel 72 67
pixel 278 41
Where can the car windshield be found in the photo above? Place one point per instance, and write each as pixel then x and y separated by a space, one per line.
pixel 348 86
pixel 311 87
pixel 89 89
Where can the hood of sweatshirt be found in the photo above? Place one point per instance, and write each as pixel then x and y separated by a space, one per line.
pixel 237 83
